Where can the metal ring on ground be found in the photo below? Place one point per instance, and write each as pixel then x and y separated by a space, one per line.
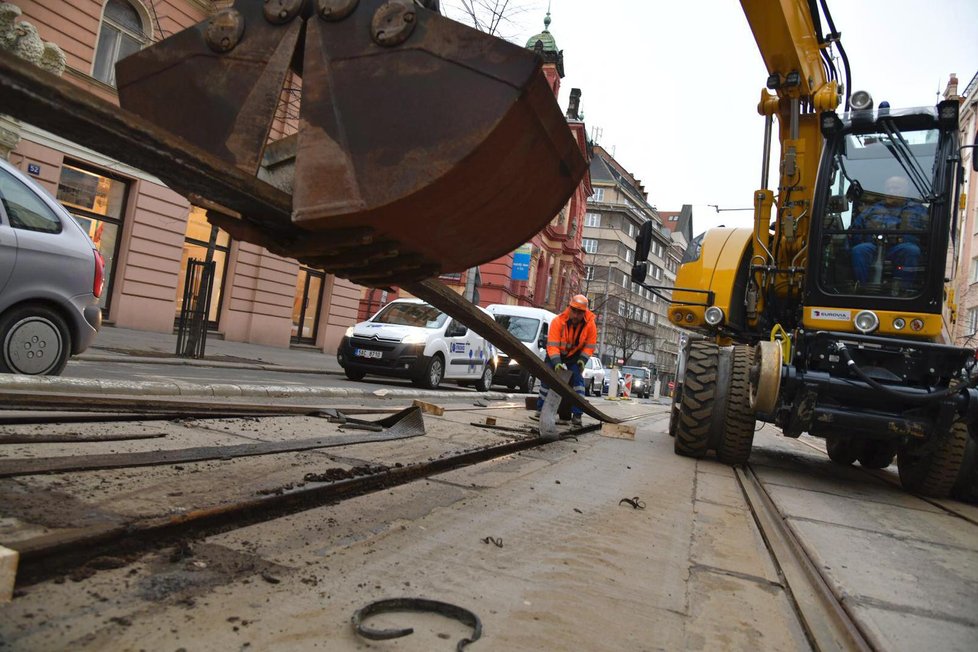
pixel 414 604
pixel 765 377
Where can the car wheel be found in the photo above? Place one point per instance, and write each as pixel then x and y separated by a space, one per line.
pixel 433 373
pixel 34 340
pixel 529 384
pixel 354 374
pixel 484 384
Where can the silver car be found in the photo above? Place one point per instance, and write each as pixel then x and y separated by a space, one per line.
pixel 51 278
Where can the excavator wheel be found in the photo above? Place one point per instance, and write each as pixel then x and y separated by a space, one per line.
pixel 737 435
pixel 931 468
pixel 966 487
pixel 842 450
pixel 697 401
pixel 876 454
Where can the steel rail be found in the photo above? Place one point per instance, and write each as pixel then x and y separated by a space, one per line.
pixel 56 554
pixel 823 616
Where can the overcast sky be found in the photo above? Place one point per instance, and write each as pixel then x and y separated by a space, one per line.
pixel 673 86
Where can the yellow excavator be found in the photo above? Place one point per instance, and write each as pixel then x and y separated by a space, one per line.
pixel 831 316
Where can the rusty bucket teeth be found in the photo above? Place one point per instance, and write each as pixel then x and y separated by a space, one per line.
pixel 440 139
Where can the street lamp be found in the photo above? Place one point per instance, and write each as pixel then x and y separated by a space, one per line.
pixel 604 308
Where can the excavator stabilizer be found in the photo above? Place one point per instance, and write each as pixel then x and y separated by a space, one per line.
pixel 444 143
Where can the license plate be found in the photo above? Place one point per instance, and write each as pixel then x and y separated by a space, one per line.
pixel 367 353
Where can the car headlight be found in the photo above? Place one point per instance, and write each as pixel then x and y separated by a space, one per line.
pixel 866 321
pixel 414 338
pixel 513 362
pixel 349 332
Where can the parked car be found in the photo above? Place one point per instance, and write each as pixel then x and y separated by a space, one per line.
pixel 51 278
pixel 641 380
pixel 594 377
pixel 409 338
pixel 528 325
pixel 607 379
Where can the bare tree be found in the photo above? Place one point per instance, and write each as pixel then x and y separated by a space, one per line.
pixel 496 17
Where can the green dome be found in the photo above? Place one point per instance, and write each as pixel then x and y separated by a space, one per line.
pixel 545 37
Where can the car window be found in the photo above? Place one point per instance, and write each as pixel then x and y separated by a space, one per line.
pixel 24 208
pixel 522 328
pixel 637 372
pixel 411 314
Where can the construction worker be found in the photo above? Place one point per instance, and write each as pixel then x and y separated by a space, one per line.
pixel 570 343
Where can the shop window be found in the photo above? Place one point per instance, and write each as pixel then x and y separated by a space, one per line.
pixel 123 32
pixel 306 305
pixel 98 204
pixel 196 243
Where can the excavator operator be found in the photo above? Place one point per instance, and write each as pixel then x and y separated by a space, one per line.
pixel 894 212
pixel 570 344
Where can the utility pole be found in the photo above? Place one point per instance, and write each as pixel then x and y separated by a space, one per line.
pixel 604 308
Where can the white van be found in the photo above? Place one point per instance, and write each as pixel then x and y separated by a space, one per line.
pixel 409 338
pixel 528 325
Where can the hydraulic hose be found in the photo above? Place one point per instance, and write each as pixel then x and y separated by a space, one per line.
pixel 917 399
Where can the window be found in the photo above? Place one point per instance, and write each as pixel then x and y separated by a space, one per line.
pixel 974 270
pixel 598 195
pixel 673 218
pixel 625 280
pixel 122 33
pixel 592 219
pixel 98 204
pixel 195 245
pixel 972 321
pixel 590 245
pixel 589 272
pixel 25 210
pixel 631 230
pixel 629 256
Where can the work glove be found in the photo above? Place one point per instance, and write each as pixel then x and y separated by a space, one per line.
pixel 560 367
pixel 580 365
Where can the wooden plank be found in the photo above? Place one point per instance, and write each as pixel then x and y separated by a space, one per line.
pixel 429 408
pixel 8 573
pixel 617 430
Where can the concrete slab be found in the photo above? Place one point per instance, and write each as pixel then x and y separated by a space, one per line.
pixel 902 575
pixel 884 518
pixel 899 631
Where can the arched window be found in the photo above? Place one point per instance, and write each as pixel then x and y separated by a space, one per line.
pixel 122 33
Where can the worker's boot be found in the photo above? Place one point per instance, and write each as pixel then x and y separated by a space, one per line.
pixel 535 416
pixel 576 420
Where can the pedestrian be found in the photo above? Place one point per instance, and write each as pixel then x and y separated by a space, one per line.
pixel 570 343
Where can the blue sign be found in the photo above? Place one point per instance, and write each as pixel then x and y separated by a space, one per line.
pixel 521 264
pixel 33 168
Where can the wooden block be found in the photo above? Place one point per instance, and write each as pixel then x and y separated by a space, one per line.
pixel 429 408
pixel 617 430
pixel 490 421
pixel 531 402
pixel 8 573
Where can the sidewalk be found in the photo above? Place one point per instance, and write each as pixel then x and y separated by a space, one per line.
pixel 127 345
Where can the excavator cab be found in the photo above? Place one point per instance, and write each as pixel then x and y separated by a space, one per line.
pixel 885 195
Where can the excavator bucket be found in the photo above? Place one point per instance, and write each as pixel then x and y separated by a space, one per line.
pixel 444 143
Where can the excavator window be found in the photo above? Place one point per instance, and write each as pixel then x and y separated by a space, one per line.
pixel 876 230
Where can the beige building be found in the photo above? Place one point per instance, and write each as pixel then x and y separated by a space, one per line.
pixel 145 231
pixel 966 327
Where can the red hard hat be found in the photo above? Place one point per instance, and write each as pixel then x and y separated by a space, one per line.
pixel 579 301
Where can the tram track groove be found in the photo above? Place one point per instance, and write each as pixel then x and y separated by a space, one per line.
pixel 825 618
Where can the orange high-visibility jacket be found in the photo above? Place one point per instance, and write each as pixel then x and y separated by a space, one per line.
pixel 565 342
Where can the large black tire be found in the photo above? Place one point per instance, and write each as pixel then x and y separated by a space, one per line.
pixel 696 405
pixel 934 472
pixel 433 373
pixel 34 340
pixel 737 436
pixel 484 384
pixel 877 454
pixel 354 374
pixel 842 450
pixel 674 407
pixel 966 486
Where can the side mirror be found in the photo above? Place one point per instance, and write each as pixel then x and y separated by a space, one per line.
pixel 542 342
pixel 640 272
pixel 643 244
